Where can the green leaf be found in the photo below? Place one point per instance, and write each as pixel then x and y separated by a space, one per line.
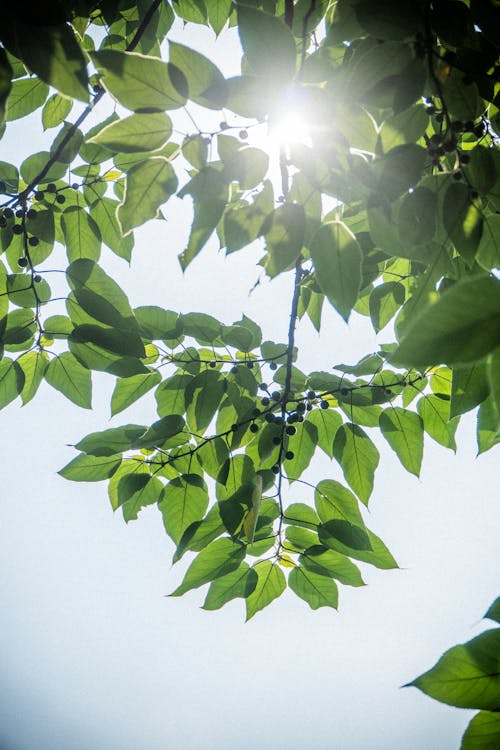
pixel 203 394
pixel 358 458
pixel 81 234
pixel 270 585
pixel 488 251
pixel 156 323
pixel 218 13
pixel 334 501
pixel 327 422
pixel 483 732
pixel 327 562
pixel 210 193
pixel 268 44
pixel 161 431
pixel 348 534
pixel 337 261
pixel 400 169
pixel 385 301
pixel 33 365
pixel 488 433
pixel 403 431
pixel 53 53
pixel 284 234
pixel 467 675
pixel 317 590
pixel 101 297
pixel 206 85
pixel 469 387
pixel 150 183
pixel 493 371
pixel 302 445
pixel 139 132
pixel 67 375
pixel 135 491
pixel 461 326
pixel 139 82
pixel 11 381
pixel 128 390
pixel 26 95
pixel 462 220
pixel 112 441
pixel 300 514
pixel 217 559
pixel 493 612
pixel 104 214
pixel 99 348
pixel 55 111
pixel 200 533
pixel 435 413
pixel 183 501
pixel 86 468
pixel 238 584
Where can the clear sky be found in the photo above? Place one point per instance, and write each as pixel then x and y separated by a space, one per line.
pixel 92 654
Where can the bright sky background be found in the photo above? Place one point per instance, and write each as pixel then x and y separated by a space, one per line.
pixel 92 654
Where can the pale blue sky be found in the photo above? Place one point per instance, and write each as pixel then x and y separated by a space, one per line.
pixel 93 655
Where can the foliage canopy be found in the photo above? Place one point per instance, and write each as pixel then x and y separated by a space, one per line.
pixel 389 209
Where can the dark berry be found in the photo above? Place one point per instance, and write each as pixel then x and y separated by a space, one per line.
pixel 37 278
pixel 33 241
pixel 387 392
pixel 223 126
pixel 276 440
pixel 275 469
pixel 212 364
pixel 8 213
pixel 22 262
pixel 39 195
pixel 51 188
pixel 234 427
pixel 289 455
pixel 17 229
pixel 474 195
pixel 300 418
pixel 324 404
pixel 254 427
pixel 31 214
pixel 275 395
pixel 291 430
pixel 265 401
pixel 75 186
pixel 243 134
pixel 255 412
pixel 310 394
pixel 457 175
pixel 278 420
pixel 60 198
pixel 301 407
pixel 263 386
pixel 292 418
pixel 19 213
pixel 250 365
pixel 269 417
pixel 273 366
pixel 234 369
pixel 344 391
